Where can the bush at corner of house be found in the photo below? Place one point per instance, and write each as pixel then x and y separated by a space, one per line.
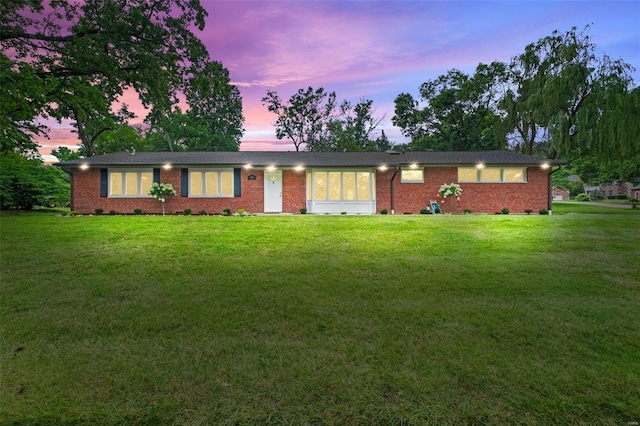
pixel 424 211
pixel 137 211
pixel 113 212
pixel 226 212
pixel 544 212
pixel 583 197
pixel 303 210
pixel 467 211
pixel 343 212
pixel 187 212
pixel 202 213
pixel 596 196
pixel 383 211
pixel 528 211
pixel 505 211
pixel 99 211
pixel 241 213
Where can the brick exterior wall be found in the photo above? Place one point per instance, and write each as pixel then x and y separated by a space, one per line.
pixel 408 197
pixel 477 197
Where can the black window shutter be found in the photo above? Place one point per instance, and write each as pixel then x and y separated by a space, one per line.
pixel 236 182
pixel 184 182
pixel 156 175
pixel 104 183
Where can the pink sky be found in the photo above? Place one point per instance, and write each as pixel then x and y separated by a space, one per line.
pixel 377 50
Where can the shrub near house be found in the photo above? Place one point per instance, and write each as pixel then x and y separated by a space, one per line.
pixel 321 182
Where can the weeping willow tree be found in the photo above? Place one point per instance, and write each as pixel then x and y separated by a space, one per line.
pixel 585 102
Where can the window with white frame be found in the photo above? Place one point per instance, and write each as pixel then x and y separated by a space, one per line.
pixel 130 183
pixel 411 175
pixel 210 182
pixel 340 186
pixel 492 174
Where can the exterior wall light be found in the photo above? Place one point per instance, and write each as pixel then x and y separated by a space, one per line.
pixel 84 166
pixel 413 166
pixel 167 166
pixel 299 168
pixel 271 168
pixel 480 165
pixel 383 168
pixel 545 165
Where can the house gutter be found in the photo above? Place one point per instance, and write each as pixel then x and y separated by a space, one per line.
pixel 550 190
pixel 392 194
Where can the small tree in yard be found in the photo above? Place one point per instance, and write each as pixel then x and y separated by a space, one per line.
pixel 162 191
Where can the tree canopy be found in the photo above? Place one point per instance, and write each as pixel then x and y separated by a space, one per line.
pixel 304 118
pixel 213 121
pixel 312 121
pixel 561 98
pixel 458 113
pixel 73 60
pixel 585 100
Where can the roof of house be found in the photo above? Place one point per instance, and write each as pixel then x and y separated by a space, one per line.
pixel 309 159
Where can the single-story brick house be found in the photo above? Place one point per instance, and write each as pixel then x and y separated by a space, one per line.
pixel 321 182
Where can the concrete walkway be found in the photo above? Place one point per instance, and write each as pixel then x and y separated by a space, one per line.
pixel 593 203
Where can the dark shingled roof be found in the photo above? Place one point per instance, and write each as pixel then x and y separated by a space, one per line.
pixel 309 159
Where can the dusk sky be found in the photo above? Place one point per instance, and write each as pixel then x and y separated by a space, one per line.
pixel 377 50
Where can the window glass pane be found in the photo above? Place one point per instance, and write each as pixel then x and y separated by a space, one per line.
pixel 308 186
pixel 467 174
pixel 514 175
pixel 115 183
pixel 349 186
pixel 131 183
pixel 373 186
pixel 490 174
pixel 146 179
pixel 334 185
pixel 411 175
pixel 211 183
pixel 320 183
pixel 363 186
pixel 195 184
pixel 227 183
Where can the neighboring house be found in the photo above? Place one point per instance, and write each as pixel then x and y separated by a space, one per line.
pixel 321 182
pixel 560 193
pixel 635 192
pixel 610 189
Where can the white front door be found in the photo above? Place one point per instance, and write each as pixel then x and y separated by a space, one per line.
pixel 273 191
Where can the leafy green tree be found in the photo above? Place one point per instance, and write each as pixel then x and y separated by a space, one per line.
pixel 75 50
pixel 23 95
pixel 213 121
pixel 353 128
pixel 594 171
pixel 26 182
pixel 382 143
pixel 585 100
pixel 304 118
pixel 124 138
pixel 65 154
pixel 215 104
pixel 459 112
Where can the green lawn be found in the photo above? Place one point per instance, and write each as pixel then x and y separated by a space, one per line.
pixel 470 319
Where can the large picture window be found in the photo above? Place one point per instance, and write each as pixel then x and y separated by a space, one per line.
pixel 340 186
pixel 492 174
pixel 211 183
pixel 130 183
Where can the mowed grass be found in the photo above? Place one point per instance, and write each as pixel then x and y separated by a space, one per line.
pixel 476 319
